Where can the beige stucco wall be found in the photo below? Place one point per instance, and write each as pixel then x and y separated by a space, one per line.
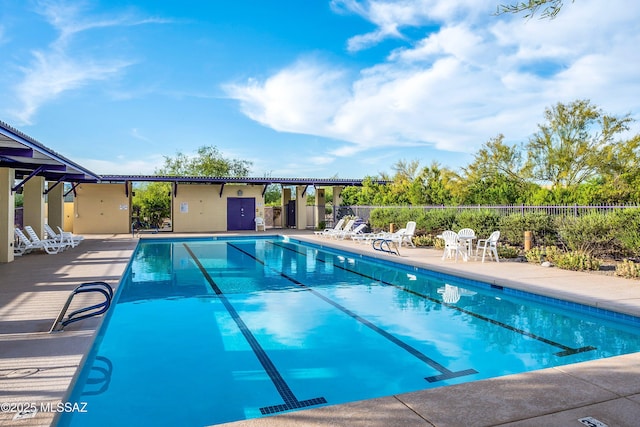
pixel 101 208
pixel 200 208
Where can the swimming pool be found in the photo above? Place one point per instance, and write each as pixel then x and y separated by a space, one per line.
pixel 217 330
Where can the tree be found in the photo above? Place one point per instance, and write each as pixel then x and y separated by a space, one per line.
pixel 550 8
pixel 494 177
pixel 435 182
pixel 152 203
pixel 273 195
pixel 153 200
pixel 208 162
pixel 573 146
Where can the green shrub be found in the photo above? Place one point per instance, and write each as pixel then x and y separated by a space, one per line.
pixel 594 233
pixel 482 221
pixel 539 255
pixel 628 269
pixel 512 228
pixel 578 261
pixel 380 218
pixel 507 251
pixel 424 240
pixel 435 221
pixel 553 254
pixel 535 255
pixel 627 231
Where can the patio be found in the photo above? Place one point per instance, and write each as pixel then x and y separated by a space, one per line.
pixel 38 367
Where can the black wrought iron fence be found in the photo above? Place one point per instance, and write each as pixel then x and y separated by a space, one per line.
pixel 364 212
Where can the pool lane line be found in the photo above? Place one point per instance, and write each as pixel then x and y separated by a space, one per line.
pixel 290 400
pixel 445 373
pixel 566 350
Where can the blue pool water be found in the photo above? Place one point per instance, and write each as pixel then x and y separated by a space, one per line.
pixel 212 331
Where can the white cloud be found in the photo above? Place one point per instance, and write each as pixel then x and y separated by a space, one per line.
pixel 391 16
pixel 475 76
pixel 301 98
pixel 52 73
pixel 58 68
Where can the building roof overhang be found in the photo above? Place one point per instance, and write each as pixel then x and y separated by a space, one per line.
pixel 30 158
pixel 316 182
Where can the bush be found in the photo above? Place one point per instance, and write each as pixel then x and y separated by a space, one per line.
pixel 535 255
pixel 424 240
pixel 482 221
pixel 553 254
pixel 578 261
pixel 435 221
pixel 507 251
pixel 627 231
pixel 628 269
pixel 539 255
pixel 380 218
pixel 512 228
pixel 593 233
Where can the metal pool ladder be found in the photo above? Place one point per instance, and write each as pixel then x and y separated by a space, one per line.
pixel 385 245
pixel 84 313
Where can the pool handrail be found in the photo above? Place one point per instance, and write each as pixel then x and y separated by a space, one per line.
pixel 84 313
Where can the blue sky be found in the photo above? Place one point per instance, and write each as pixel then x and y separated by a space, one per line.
pixel 314 88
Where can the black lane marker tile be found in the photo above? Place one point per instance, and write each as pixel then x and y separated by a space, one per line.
pixel 444 372
pixel 290 400
pixel 566 350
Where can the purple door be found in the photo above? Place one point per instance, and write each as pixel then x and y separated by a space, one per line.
pixel 241 213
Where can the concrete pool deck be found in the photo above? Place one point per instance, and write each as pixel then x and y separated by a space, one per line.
pixel 37 367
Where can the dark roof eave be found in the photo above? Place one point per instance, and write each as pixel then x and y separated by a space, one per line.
pixel 233 180
pixel 27 162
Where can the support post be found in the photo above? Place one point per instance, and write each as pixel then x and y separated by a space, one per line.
pixel 7 214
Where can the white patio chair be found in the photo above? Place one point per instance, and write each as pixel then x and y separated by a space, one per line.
pixel 453 245
pixel 450 294
pixel 466 236
pixel 50 246
pixel 491 244
pixel 260 223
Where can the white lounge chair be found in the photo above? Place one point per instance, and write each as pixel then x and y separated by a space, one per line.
pixel 76 238
pixel 407 236
pixel 352 233
pixel 65 240
pixel 367 237
pixel 23 245
pixel 347 228
pixel 491 244
pixel 50 246
pixel 260 223
pixel 326 231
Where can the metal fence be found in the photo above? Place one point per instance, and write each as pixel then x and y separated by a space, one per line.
pixel 364 212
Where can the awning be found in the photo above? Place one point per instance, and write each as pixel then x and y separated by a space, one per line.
pixel 30 158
